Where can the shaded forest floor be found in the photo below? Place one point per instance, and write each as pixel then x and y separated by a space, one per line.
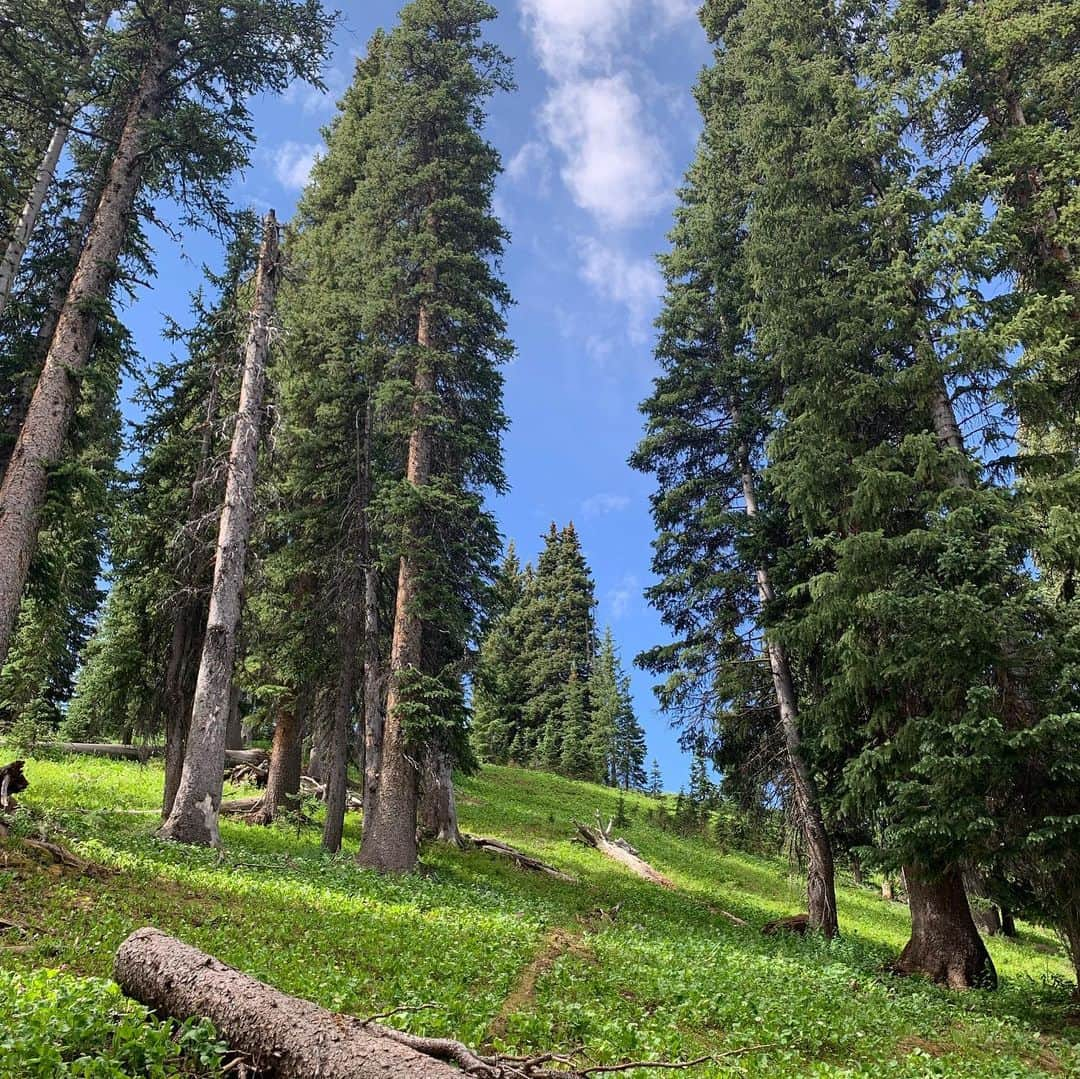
pixel 507 959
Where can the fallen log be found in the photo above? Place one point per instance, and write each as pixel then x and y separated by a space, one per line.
pixel 144 753
pixel 620 851
pixel 799 924
pixel 520 858
pixel 289 1038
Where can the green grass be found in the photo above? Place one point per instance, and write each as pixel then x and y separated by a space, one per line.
pixel 669 977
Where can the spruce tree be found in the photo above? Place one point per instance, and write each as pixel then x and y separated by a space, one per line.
pixel 433 309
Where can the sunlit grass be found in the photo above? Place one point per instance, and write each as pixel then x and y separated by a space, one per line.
pixel 669 977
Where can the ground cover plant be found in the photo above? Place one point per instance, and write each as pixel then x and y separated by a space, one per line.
pixel 500 958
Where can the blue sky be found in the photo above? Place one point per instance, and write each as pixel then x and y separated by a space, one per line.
pixel 594 144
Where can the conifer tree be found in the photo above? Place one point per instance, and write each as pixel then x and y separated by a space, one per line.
pixel 656 780
pixel 191 65
pixel 433 308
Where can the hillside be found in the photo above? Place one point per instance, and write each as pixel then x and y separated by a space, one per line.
pixel 502 957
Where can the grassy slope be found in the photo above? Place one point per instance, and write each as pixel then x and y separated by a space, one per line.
pixel 668 977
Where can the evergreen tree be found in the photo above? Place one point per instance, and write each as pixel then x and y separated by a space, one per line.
pixel 656 780
pixel 575 752
pixel 433 309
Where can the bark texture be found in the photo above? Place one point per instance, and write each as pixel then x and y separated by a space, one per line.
pixel 945 945
pixel 389 837
pixel 184 649
pixel 438 810
pixel 621 851
pixel 22 495
pixel 344 700
pixel 821 868
pixel 283 777
pixel 286 1038
pixel 194 817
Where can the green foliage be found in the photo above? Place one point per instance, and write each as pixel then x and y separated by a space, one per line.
pixel 54 1024
pixel 667 978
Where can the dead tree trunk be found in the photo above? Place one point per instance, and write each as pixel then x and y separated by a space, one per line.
pixel 438 810
pixel 195 811
pixel 944 945
pixel 821 870
pixel 43 178
pixel 286 1038
pixel 389 838
pixel 41 439
pixel 344 701
pixel 283 777
pixel 621 851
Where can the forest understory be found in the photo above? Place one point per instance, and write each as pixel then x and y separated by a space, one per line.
pixel 501 959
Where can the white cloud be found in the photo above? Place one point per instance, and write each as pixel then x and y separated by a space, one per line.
pixel 620 597
pixel 569 34
pixel 599 505
pixel 614 167
pixel 293 162
pixel 634 282
pixel 529 163
pixel 312 100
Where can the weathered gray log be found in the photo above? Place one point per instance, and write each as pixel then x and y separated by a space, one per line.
pixel 285 1037
pixel 253 757
pixel 621 851
pixel 520 858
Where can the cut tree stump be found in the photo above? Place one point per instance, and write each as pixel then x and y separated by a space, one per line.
pixel 620 851
pixel 12 781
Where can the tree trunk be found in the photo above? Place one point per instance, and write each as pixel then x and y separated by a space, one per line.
pixel 283 778
pixel 178 700
pixel 621 851
pixel 43 178
pixel 374 703
pixel 285 1038
pixel 887 889
pixel 234 728
pixel 945 945
pixel 344 700
pixel 821 871
pixel 1008 923
pixel 1070 930
pixel 321 722
pixel 438 810
pixel 389 838
pixel 195 811
pixel 22 495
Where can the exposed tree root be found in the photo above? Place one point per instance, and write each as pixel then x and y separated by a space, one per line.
pixel 289 1038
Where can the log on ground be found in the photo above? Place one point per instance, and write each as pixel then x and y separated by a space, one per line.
pixel 621 851
pixel 117 751
pixel 286 1038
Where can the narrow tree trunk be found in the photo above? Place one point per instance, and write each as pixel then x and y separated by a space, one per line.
pixel 389 838
pixel 283 778
pixel 344 700
pixel 887 889
pixel 1008 923
pixel 438 810
pixel 1070 930
pixel 43 178
pixel 944 944
pixel 234 727
pixel 178 700
pixel 322 720
pixel 194 818
pixel 374 711
pixel 821 870
pixel 22 495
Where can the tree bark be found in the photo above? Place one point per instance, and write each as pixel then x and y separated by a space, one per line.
pixel 438 810
pixel 945 945
pixel 283 778
pixel 195 811
pixel 43 178
pixel 285 1038
pixel 234 728
pixel 621 851
pixel 821 869
pixel 374 686
pixel 41 439
pixel 1008 923
pixel 389 837
pixel 183 648
pixel 344 700
pixel 322 718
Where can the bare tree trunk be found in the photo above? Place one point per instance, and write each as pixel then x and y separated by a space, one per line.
pixel 178 700
pixel 283 778
pixel 374 713
pixel 194 818
pixel 1008 924
pixel 389 838
pixel 22 495
pixel 944 944
pixel 1070 931
pixel 234 727
pixel 821 870
pixel 344 701
pixel 438 810
pixel 43 178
